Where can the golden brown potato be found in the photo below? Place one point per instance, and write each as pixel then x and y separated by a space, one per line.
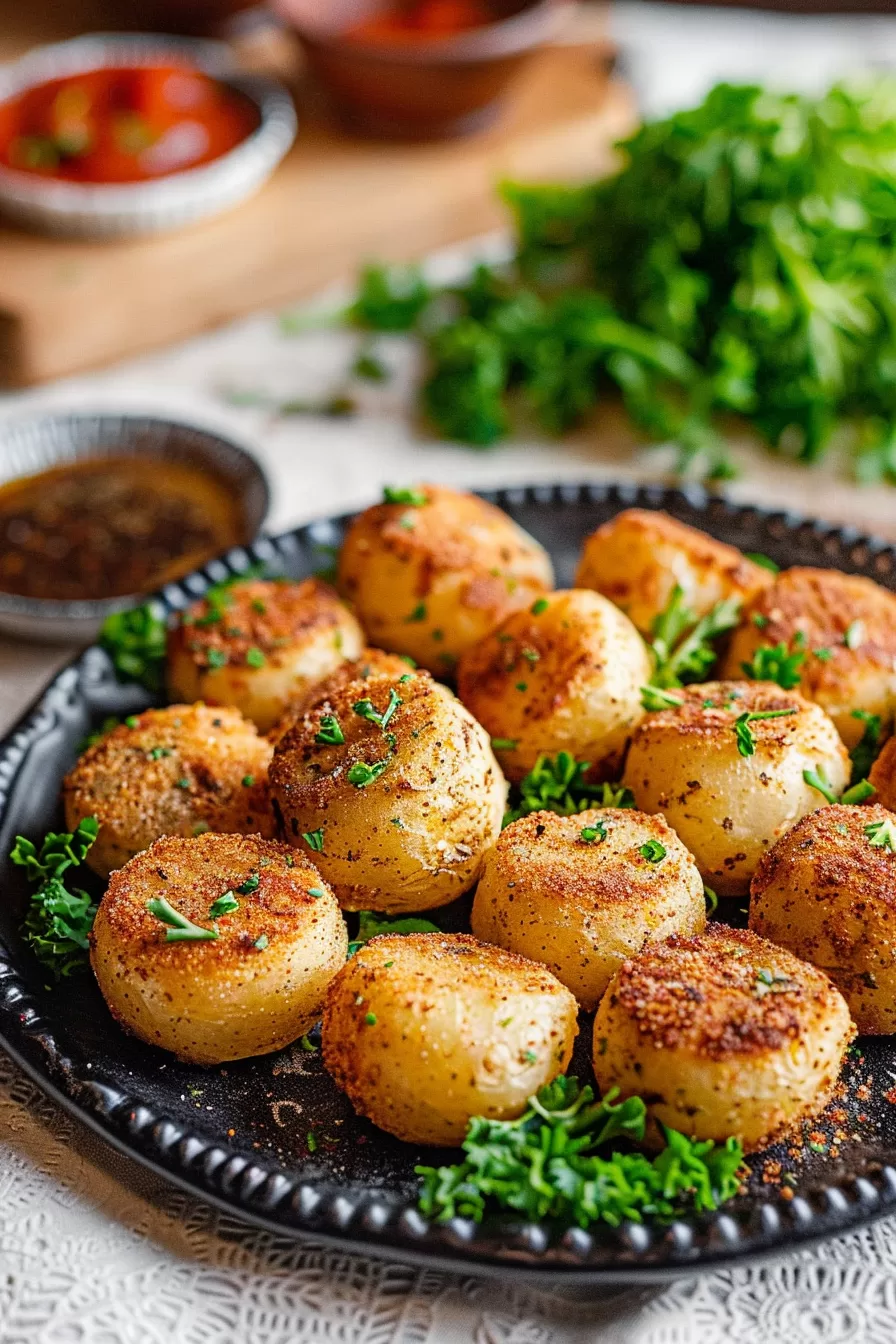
pixel 259 645
pixel 176 771
pixel 563 675
pixel 399 812
pixel 727 807
pixel 722 1034
pixel 827 892
pixel 256 985
pixel 430 579
pixel 883 776
pixel 583 893
pixel 424 1031
pixel 846 628
pixel 371 663
pixel 638 557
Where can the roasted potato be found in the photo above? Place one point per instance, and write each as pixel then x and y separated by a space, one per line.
pixel 563 675
pixel 423 1031
pixel 254 986
pixel 391 786
pixel 431 578
pixel 581 894
pixel 827 892
pixel 176 771
pixel 638 557
pixel 845 629
pixel 259 645
pixel 722 1034
pixel 729 807
pixel 371 663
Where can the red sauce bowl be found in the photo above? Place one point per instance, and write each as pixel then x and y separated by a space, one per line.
pixel 399 81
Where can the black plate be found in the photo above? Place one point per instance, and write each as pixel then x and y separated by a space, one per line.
pixel 238 1135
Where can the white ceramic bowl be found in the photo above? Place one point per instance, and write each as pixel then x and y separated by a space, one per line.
pixel 98 210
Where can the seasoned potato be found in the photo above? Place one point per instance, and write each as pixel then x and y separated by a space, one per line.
pixel 259 645
pixel 727 807
pixel 176 771
pixel 827 892
pixel 846 629
pixel 430 579
pixel 424 1031
pixel 371 663
pixel 254 987
pixel 638 557
pixel 392 786
pixel 883 775
pixel 723 1034
pixel 563 675
pixel 583 893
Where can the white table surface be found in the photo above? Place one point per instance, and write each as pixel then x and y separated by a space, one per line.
pixel 93 1250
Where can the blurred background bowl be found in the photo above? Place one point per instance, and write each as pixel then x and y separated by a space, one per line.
pixel 427 87
pixel 120 210
pixel 36 444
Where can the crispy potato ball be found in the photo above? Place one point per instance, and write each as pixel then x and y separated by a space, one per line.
pixel 257 985
pixel 430 579
pixel 563 675
pixel 827 892
pixel 844 626
pixel 729 807
pixel 176 771
pixel 583 893
pixel 722 1034
pixel 638 557
pixel 424 1031
pixel 259 645
pixel 390 784
pixel 883 775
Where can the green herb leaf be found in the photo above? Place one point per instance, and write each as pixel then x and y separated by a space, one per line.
pixel 682 645
pixel 136 641
pixel 365 709
pixel 371 925
pixel 361 774
pixel 255 658
pixel 712 900
pixel 548 1165
pixel 653 851
pixel 329 733
pixel 816 779
pixel 864 753
pixel 557 784
pixel 404 495
pixel 765 561
pixel 591 834
pixel 745 742
pixel 882 834
pixel 654 698
pixel 181 929
pixel 314 839
pixel 776 664
pixel 859 793
pixel 58 920
pixel 224 905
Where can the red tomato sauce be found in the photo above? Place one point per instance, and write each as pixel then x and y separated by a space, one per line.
pixel 123 125
pixel 424 19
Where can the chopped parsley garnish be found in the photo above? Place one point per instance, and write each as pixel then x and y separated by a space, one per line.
pixel 521 686
pixel 505 743
pixel 854 634
pixel 768 982
pixel 314 840
pixel 653 851
pixel 538 606
pixel 371 925
pixel 136 642
pixel 58 919
pixel 745 742
pixel 882 834
pixel 132 721
pixel 370 1019
pixel 370 367
pixel 183 782
pixel 399 495
pixel 252 883
pixel 248 781
pixel 365 710
pixel 764 560
pixel 712 900
pixel 418 614
pixel 654 698
pixel 180 929
pixel 823 655
pixel 255 657
pixel 859 792
pixel 261 942
pixel 777 663
pixel 216 658
pixel 682 644
pixel 330 733
pixel 224 905
pixel 547 1164
pixel 864 753
pixel 362 774
pixel 591 834
pixel 156 753
pixel 816 779
pixel 558 784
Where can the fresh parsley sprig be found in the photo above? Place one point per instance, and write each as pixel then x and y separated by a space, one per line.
pixel 59 919
pixel 746 744
pixel 778 663
pixel 682 643
pixel 371 925
pixel 548 1164
pixel 135 640
pixel 864 753
pixel 882 834
pixel 558 784
pixel 859 792
pixel 180 929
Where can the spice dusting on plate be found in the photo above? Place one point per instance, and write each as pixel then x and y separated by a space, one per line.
pixel 111 527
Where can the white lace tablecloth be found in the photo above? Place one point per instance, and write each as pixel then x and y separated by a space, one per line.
pixel 93 1249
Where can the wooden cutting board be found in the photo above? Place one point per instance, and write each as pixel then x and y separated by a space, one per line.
pixel 71 305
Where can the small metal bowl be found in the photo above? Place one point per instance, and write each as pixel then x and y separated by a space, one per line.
pixel 123 210
pixel 31 446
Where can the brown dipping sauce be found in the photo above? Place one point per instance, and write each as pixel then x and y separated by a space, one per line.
pixel 111 527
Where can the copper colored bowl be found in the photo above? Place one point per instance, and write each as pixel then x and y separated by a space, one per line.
pixel 427 89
